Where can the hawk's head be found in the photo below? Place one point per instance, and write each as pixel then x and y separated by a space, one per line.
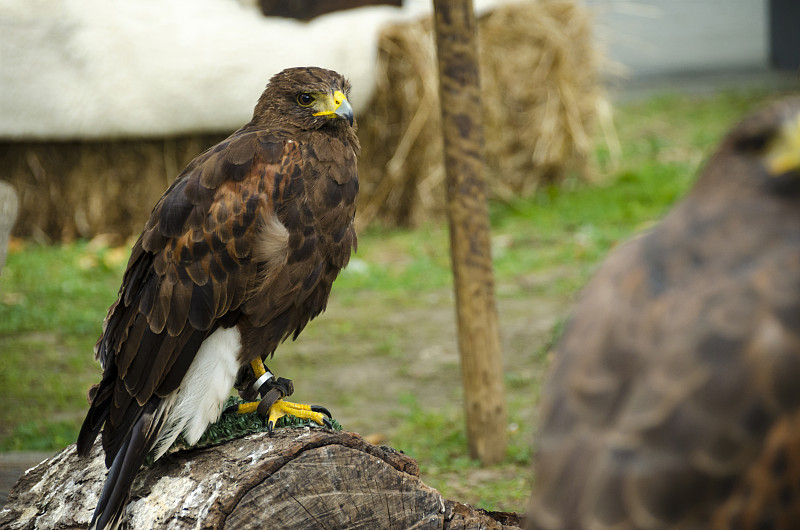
pixel 783 152
pixel 307 98
pixel 761 155
pixel 773 137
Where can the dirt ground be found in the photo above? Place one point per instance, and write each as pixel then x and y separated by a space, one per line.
pixel 374 353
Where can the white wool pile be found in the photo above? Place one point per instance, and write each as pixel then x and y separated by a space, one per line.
pixel 121 68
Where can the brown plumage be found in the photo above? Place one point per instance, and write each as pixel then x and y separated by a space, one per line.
pixel 674 397
pixel 249 237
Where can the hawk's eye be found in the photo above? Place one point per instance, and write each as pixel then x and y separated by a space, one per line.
pixel 305 100
pixel 754 143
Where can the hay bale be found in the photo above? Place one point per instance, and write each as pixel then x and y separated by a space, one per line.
pixel 81 189
pixel 540 90
pixel 540 94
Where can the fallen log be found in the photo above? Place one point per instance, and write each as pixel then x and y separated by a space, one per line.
pixel 296 478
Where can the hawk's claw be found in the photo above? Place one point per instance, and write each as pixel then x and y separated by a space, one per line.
pixel 257 381
pixel 320 408
pixel 275 409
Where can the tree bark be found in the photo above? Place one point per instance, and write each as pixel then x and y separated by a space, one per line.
pixel 296 478
pixel 468 214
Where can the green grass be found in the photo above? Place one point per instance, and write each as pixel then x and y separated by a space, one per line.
pixel 52 302
pixel 437 440
pixel 392 303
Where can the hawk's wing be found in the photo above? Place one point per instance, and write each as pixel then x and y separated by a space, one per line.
pixel 674 397
pixel 230 239
pixel 658 405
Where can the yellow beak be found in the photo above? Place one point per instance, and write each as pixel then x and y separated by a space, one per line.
pixel 784 153
pixel 335 106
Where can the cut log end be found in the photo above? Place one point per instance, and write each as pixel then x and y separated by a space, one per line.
pixel 297 478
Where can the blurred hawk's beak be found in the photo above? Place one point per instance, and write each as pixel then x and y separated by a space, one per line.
pixel 783 155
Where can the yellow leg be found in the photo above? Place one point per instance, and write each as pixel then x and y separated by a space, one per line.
pixel 258 368
pixel 281 408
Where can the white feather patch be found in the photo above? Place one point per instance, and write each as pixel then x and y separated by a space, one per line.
pixel 198 400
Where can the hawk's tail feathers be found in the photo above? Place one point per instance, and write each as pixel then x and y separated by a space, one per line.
pixel 98 412
pixel 127 462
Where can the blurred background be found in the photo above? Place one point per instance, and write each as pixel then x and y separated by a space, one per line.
pixel 597 115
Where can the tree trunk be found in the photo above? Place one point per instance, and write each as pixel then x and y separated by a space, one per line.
pixel 296 478
pixel 468 215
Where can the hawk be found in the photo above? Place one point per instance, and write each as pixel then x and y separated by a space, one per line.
pixel 238 254
pixel 673 401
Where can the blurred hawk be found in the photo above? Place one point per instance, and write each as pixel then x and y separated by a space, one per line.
pixel 238 254
pixel 674 398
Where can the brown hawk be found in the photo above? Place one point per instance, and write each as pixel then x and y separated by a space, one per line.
pixel 674 397
pixel 238 254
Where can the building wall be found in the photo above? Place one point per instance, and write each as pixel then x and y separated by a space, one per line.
pixel 652 37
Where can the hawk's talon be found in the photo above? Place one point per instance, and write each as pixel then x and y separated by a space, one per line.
pixel 279 408
pixel 241 408
pixel 320 408
pixel 274 408
pixel 255 381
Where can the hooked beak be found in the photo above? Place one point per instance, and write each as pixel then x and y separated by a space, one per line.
pixel 344 110
pixel 783 154
pixel 336 106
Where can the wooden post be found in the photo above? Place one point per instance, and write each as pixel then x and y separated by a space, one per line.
pixel 468 215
